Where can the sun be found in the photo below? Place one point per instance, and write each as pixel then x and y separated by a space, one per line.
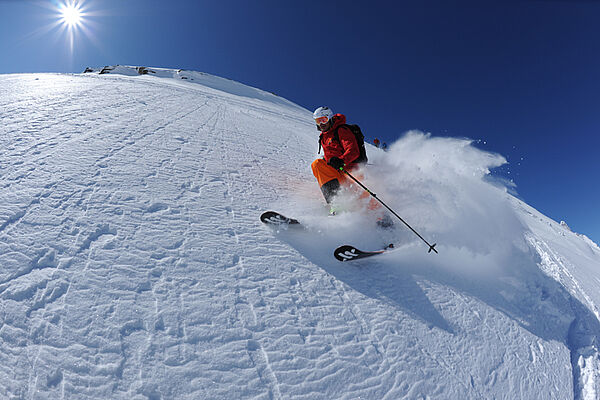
pixel 71 15
pixel 72 20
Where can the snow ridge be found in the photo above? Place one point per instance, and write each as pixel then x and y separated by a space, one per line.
pixel 582 338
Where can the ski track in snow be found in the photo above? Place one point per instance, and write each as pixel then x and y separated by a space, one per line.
pixel 134 267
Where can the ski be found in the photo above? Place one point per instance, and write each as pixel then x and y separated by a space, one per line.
pixel 274 218
pixel 350 253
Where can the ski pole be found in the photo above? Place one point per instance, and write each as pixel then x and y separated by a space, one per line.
pixel 431 246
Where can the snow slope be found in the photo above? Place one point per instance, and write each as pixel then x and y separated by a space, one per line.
pixel 133 264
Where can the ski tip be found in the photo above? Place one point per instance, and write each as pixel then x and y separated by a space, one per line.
pixel 275 218
pixel 432 247
pixel 349 253
pixel 264 217
pixel 345 253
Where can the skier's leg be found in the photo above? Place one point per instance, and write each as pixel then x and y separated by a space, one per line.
pixel 358 173
pixel 328 177
pixel 330 189
pixel 383 219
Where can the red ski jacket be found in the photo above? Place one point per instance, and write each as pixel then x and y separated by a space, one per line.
pixel 346 148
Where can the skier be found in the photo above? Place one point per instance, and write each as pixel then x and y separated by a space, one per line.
pixel 376 142
pixel 340 149
pixel 336 153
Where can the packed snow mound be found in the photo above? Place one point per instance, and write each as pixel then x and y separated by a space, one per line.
pixel 134 265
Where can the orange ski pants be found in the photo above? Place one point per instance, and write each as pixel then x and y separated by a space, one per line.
pixel 325 173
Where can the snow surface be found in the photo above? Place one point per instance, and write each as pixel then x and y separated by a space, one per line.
pixel 134 266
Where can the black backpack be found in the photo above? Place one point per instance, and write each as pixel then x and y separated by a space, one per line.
pixel 360 139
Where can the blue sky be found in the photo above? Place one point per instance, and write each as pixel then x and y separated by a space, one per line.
pixel 521 77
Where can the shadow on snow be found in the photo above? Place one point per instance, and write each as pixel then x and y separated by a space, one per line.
pixel 515 286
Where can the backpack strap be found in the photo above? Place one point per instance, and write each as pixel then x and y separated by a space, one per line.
pixel 320 146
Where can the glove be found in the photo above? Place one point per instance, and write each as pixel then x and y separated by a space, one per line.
pixel 336 162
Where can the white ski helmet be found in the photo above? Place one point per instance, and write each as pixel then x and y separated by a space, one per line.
pixel 323 112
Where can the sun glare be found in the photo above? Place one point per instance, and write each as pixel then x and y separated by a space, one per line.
pixel 71 15
pixel 72 20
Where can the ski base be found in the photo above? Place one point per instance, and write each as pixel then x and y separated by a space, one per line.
pixel 349 253
pixel 275 218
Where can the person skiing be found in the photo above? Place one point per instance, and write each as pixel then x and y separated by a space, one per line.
pixel 340 149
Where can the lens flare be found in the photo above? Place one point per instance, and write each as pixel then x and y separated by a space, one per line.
pixel 71 19
pixel 71 14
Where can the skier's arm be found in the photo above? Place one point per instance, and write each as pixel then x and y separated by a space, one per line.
pixel 350 145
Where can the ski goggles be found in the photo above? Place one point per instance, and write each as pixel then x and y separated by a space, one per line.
pixel 321 120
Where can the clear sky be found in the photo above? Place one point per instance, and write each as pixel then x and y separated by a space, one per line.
pixel 520 76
